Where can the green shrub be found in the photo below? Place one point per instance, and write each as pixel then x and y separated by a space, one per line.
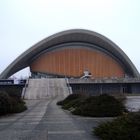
pixel 126 127
pixel 70 98
pixel 12 91
pixel 100 106
pixel 5 103
pixel 72 105
pixel 10 104
pixel 95 106
pixel 19 108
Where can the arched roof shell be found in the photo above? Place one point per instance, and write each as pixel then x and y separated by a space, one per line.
pixel 75 35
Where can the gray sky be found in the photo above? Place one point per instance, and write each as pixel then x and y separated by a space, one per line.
pixel 25 22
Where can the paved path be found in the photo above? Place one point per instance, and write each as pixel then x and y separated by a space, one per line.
pixel 44 120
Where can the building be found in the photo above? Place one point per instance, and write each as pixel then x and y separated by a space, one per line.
pixel 71 53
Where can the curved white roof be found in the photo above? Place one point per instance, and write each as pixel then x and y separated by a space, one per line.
pixel 75 35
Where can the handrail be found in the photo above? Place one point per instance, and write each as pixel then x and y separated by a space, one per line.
pixel 68 85
pixel 24 89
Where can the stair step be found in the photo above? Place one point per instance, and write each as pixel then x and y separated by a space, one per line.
pixel 46 88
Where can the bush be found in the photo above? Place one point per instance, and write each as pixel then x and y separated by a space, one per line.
pixel 126 127
pixel 12 91
pixel 10 104
pixel 70 98
pixel 5 103
pixel 100 106
pixel 72 105
pixel 95 106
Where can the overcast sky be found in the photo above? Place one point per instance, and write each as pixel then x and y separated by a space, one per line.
pixel 23 23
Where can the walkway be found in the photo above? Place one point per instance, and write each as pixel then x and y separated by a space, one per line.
pixel 44 120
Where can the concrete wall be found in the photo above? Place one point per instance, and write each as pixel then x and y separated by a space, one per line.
pixel 108 88
pixel 135 88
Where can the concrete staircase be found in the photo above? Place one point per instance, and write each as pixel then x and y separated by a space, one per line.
pixel 46 88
